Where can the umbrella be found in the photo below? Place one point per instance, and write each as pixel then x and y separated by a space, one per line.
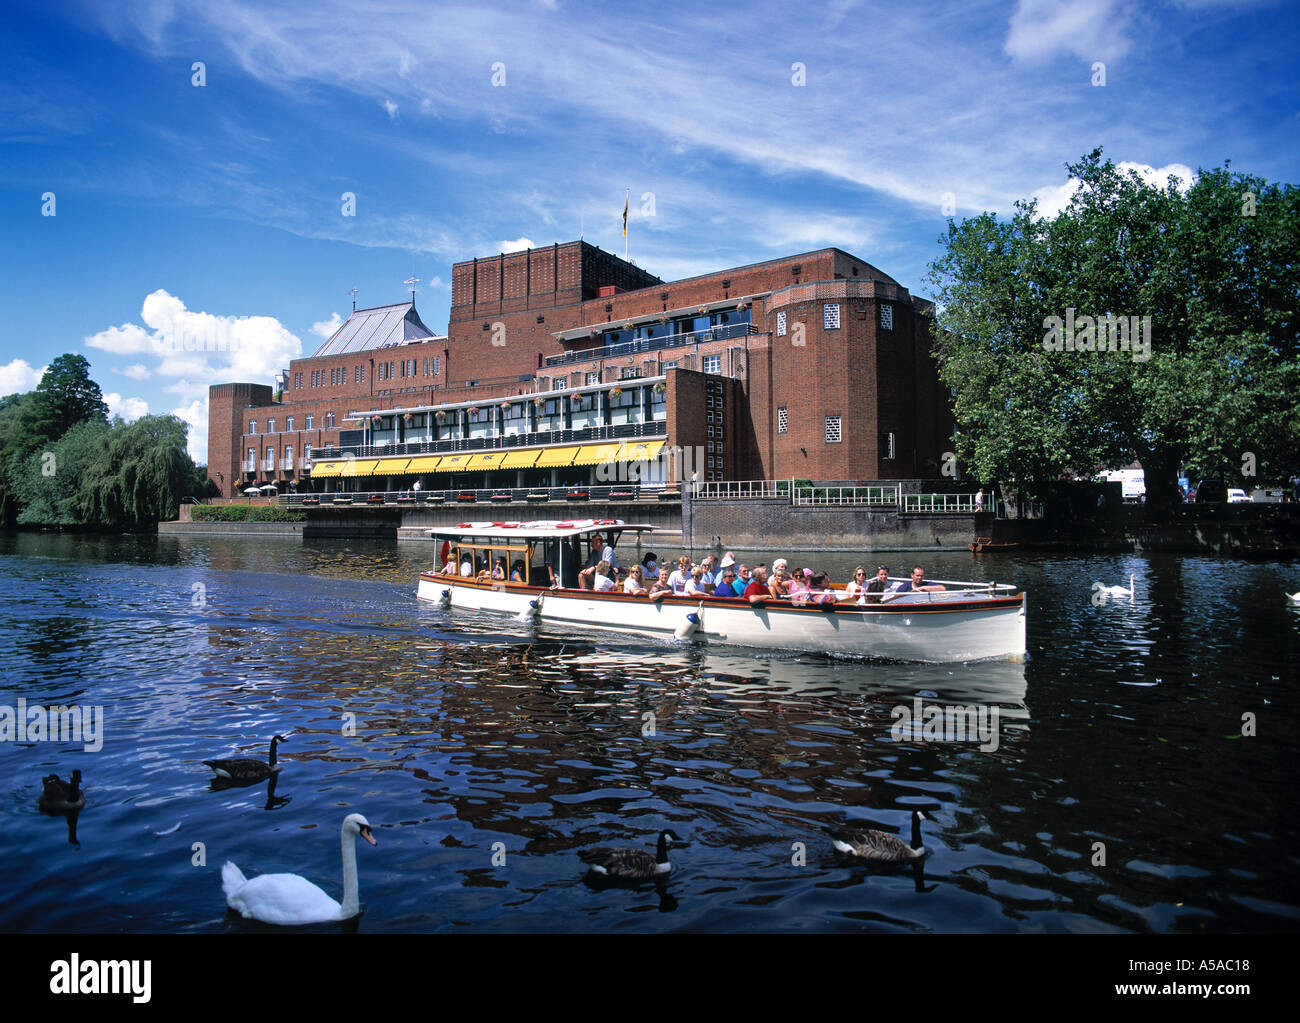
pixel 252 490
pixel 271 487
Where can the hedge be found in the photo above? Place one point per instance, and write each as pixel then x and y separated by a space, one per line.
pixel 245 513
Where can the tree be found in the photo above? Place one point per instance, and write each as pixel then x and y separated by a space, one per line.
pixel 1204 283
pixel 141 476
pixel 68 396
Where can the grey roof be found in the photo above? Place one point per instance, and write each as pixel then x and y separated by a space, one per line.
pixel 376 328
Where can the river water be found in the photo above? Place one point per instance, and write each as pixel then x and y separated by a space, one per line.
pixel 1143 778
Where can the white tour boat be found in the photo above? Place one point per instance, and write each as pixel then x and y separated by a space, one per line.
pixel 965 622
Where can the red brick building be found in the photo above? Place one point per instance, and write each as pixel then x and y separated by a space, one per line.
pixel 567 364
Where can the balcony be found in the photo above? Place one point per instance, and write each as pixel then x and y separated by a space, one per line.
pixel 540 438
pixel 653 344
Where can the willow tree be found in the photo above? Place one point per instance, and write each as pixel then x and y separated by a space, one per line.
pixel 1155 322
pixel 139 477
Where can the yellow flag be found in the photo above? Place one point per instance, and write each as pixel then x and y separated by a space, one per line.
pixel 625 199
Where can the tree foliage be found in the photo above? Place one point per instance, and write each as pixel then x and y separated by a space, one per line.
pixel 1213 267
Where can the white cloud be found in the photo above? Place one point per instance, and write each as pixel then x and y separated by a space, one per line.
pixel 1053 199
pixel 326 328
pixel 129 409
pixel 18 377
pixel 1089 29
pixel 518 245
pixel 195 416
pixel 136 371
pixel 391 108
pixel 201 345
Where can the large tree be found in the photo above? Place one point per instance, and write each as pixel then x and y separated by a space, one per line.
pixel 1208 277
pixel 67 396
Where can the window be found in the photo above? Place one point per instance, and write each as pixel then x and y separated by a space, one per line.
pixel 270 426
pixel 288 454
pixel 782 419
pixel 670 365
pixel 889 445
pixel 558 384
pixel 437 364
pixel 288 424
pixel 270 457
pixel 252 427
pixel 886 317
pixel 329 420
pixel 831 316
pixel 306 452
pixel 412 365
pixel 363 374
pixel 593 378
pixel 311 421
pixel 780 324
pixel 713 364
pixel 252 456
pixel 832 429
pixel 628 373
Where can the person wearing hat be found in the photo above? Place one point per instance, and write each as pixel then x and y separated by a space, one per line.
pixel 728 561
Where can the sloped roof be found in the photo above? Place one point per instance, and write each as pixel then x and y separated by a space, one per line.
pixel 376 328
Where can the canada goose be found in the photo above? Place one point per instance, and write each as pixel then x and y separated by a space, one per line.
pixel 290 899
pixel 630 864
pixel 1115 591
pixel 881 847
pixel 56 797
pixel 245 770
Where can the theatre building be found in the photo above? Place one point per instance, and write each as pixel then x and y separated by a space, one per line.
pixel 566 365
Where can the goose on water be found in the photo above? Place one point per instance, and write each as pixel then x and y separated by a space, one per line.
pixel 58 797
pixel 245 769
pixel 289 899
pixel 1115 591
pixel 630 864
pixel 880 847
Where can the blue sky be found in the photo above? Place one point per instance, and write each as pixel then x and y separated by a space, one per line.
pixel 744 132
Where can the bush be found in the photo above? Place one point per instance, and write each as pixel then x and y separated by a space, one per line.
pixel 245 513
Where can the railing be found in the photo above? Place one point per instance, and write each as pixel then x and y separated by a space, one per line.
pixel 728 490
pixel 652 344
pixel 939 503
pixel 825 495
pixel 476 495
pixel 619 431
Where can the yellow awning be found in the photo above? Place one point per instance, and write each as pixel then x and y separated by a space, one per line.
pixel 425 463
pixel 641 451
pixel 521 459
pixel 595 453
pixel 391 466
pixel 555 457
pixel 487 460
pixel 453 463
pixel 322 469
pixel 359 467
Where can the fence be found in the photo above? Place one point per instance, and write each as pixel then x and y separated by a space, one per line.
pixel 807 492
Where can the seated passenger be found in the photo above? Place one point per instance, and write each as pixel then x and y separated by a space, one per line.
pixel 757 591
pixel 635 585
pixel 517 572
pixel 916 584
pixel 857 585
pixel 680 575
pixel 819 590
pixel 695 584
pixel 779 585
pixel 499 569
pixel 727 588
pixel 799 586
pixel 597 578
pixel 650 565
pixel 872 592
pixel 660 588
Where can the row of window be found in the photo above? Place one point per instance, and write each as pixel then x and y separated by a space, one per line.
pixel 338 376
pixel 831 318
pixel 289 424
pixel 288 453
pixel 833 430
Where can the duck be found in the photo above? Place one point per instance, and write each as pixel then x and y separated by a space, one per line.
pixel 881 847
pixel 291 900
pixel 57 797
pixel 1115 591
pixel 631 864
pixel 245 769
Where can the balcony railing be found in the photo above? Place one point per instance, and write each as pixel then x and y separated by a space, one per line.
pixel 471 495
pixel 619 431
pixel 872 495
pixel 652 344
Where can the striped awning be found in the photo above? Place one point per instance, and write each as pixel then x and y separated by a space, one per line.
pixel 331 468
pixel 556 457
pixel 642 451
pixel 592 454
pixel 487 460
pixel 521 459
pixel 391 466
pixel 454 463
pixel 425 463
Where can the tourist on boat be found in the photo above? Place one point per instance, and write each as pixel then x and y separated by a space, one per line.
pixel 660 588
pixel 709 576
pixel 598 577
pixel 601 551
pixel 879 585
pixel 635 584
pixel 467 568
pixel 857 585
pixel 499 569
pixel 517 572
pixel 798 588
pixel 779 585
pixel 742 577
pixel 727 588
pixel 695 584
pixel 820 590
pixel 728 561
pixel 680 575
pixel 756 592
pixel 650 565
pixel 916 584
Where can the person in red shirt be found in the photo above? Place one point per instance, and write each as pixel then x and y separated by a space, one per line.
pixel 756 592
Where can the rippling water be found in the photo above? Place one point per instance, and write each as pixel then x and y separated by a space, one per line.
pixel 1122 794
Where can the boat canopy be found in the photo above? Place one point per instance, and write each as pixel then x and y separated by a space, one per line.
pixel 548 530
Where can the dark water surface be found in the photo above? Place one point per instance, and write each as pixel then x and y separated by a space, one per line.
pixel 1122 795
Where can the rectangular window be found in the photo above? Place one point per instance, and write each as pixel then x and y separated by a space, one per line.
pixel 306 452
pixel 252 456
pixel 889 445
pixel 782 419
pixel 886 317
pixel 713 364
pixel 329 420
pixel 558 384
pixel 288 424
pixel 270 426
pixel 437 365
pixel 311 421
pixel 832 429
pixel 252 427
pixel 670 365
pixel 363 374
pixel 593 378
pixel 780 324
pixel 831 316
pixel 288 454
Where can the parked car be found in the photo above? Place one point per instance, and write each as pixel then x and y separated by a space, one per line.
pixel 1209 491
pixel 1236 496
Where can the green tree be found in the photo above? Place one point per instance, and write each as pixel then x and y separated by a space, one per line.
pixel 141 476
pixel 1214 269
pixel 67 396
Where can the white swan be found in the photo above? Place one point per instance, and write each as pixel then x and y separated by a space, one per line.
pixel 1294 597
pixel 288 899
pixel 1114 591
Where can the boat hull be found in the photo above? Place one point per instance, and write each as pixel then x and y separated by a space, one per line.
pixel 927 627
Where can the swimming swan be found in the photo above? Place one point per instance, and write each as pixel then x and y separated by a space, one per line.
pixel 288 899
pixel 881 847
pixel 1115 591
pixel 56 797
